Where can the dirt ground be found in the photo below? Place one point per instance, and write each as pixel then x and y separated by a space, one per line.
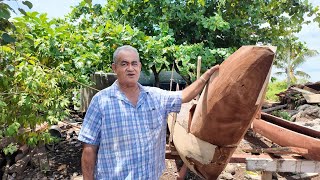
pixel 64 159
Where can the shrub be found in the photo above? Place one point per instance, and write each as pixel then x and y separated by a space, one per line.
pixel 274 88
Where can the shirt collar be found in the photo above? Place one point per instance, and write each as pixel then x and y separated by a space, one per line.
pixel 116 92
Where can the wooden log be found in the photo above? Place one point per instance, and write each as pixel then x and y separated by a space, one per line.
pixel 229 102
pixel 278 150
pixel 21 164
pixel 289 125
pixel 286 137
pixel 225 111
pixel 22 151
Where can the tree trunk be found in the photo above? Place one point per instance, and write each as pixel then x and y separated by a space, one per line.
pixel 156 76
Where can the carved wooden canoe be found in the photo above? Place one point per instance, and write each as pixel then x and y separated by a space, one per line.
pixel 207 136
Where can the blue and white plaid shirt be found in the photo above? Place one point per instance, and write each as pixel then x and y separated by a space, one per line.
pixel 131 139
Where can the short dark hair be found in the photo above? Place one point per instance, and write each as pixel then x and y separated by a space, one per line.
pixel 124 47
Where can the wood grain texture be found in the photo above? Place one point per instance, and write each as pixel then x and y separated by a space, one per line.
pixel 228 103
pixel 225 110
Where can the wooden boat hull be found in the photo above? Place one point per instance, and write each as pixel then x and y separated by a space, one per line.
pixel 224 111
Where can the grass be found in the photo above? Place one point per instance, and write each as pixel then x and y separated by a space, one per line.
pixel 282 114
pixel 274 88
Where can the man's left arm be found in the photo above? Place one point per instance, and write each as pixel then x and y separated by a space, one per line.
pixel 196 87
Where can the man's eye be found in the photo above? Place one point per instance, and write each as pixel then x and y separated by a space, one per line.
pixel 134 64
pixel 123 64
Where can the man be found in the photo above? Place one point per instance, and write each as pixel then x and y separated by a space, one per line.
pixel 124 128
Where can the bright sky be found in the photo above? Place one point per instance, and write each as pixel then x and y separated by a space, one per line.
pixel 310 34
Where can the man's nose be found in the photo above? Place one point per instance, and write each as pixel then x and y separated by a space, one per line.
pixel 130 66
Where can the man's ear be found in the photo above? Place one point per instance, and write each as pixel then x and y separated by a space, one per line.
pixel 113 65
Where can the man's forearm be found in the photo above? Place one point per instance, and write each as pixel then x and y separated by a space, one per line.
pixel 196 87
pixel 88 161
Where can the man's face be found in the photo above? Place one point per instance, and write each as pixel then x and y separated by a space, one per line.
pixel 127 67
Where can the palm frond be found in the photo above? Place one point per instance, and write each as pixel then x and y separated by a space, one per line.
pixel 311 53
pixel 279 73
pixel 302 74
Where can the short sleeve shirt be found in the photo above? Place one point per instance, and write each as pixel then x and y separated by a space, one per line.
pixel 131 139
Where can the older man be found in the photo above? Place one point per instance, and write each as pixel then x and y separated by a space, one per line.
pixel 124 128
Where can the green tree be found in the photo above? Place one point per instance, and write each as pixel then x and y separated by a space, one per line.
pixel 30 91
pixel 215 24
pixel 159 50
pixel 292 58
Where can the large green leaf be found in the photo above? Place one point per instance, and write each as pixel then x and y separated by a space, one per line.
pixel 4 12
pixel 22 11
pixel 7 38
pixel 27 3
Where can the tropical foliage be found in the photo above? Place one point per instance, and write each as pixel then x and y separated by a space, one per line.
pixel 43 62
pixel 275 87
pixel 291 58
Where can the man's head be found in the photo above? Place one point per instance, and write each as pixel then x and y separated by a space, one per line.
pixel 126 64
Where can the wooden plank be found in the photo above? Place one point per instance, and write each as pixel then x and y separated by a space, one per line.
pixel 312 98
pixel 286 164
pixel 198 72
pixel 279 150
pixel 311 90
pixel 301 90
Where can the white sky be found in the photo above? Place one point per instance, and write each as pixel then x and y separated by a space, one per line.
pixel 310 34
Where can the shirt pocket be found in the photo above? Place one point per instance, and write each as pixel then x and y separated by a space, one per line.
pixel 153 118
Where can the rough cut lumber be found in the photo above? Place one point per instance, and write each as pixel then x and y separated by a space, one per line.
pixel 315 86
pixel 312 98
pixel 225 111
pixel 283 164
pixel 279 150
pixel 311 90
pixel 302 90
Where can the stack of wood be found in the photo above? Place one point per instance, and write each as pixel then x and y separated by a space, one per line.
pixel 16 164
pixel 297 95
pixel 18 161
